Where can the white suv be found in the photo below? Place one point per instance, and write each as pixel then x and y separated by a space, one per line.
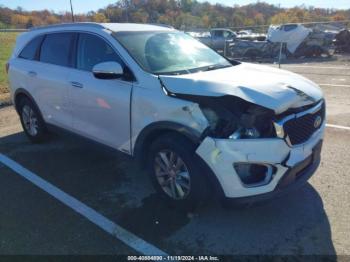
pixel 197 121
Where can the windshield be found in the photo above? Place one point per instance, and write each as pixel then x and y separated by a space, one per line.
pixel 170 52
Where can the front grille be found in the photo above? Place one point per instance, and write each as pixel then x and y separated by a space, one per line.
pixel 300 129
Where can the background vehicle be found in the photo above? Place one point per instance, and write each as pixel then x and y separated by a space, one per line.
pixel 301 41
pixel 249 35
pixel 216 38
pixel 298 41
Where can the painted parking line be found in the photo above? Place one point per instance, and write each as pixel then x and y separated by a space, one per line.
pixel 317 67
pixel 337 126
pixel 93 216
pixel 334 85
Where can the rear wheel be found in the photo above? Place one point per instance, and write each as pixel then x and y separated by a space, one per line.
pixel 176 171
pixel 31 120
pixel 253 54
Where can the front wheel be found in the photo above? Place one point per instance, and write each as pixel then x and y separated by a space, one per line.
pixel 176 171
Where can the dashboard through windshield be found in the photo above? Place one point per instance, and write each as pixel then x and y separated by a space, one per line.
pixel 167 52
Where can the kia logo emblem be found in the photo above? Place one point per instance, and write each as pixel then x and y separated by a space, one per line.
pixel 317 122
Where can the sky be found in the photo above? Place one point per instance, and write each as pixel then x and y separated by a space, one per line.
pixel 83 6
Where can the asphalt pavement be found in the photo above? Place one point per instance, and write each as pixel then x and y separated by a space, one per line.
pixel 312 220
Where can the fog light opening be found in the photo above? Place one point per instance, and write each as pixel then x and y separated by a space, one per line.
pixel 253 175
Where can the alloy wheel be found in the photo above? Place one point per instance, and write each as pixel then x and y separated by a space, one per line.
pixel 30 120
pixel 172 174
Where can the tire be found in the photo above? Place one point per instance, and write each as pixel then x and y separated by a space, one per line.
pixel 252 54
pixel 32 122
pixel 187 172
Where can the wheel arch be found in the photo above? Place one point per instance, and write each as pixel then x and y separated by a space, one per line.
pixel 22 93
pixel 154 130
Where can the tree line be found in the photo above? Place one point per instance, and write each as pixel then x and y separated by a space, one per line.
pixel 182 14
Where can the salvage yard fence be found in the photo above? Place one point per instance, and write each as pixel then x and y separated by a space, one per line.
pixel 263 28
pixel 338 24
pixel 13 30
pixel 325 26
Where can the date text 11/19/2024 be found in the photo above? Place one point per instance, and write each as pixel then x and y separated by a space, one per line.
pixel 173 258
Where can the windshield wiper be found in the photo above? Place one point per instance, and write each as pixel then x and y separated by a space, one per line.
pixel 216 66
pixel 179 72
pixel 194 70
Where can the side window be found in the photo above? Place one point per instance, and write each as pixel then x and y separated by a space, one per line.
pixel 30 51
pixel 56 49
pixel 289 27
pixel 93 50
pixel 227 34
pixel 219 33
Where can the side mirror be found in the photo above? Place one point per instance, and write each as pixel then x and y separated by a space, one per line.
pixel 108 70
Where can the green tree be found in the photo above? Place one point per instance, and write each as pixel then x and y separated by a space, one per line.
pixel 99 18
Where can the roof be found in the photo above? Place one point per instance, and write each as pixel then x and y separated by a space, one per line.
pixel 220 28
pixel 115 27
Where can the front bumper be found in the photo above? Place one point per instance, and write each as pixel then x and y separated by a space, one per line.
pixel 293 179
pixel 221 154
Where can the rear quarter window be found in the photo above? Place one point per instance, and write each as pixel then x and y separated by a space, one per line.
pixel 289 27
pixel 57 48
pixel 31 50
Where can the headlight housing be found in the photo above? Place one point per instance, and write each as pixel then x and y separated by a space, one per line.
pixel 231 116
pixel 235 118
pixel 244 132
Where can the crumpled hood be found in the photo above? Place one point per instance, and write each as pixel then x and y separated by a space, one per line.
pixel 272 88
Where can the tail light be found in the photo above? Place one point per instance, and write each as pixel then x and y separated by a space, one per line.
pixel 7 67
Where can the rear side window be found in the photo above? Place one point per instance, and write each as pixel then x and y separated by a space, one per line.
pixel 218 33
pixel 30 51
pixel 56 49
pixel 289 27
pixel 93 50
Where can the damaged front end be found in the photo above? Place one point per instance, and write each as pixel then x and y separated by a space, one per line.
pixel 233 118
pixel 247 145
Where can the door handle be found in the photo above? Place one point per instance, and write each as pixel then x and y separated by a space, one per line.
pixel 76 84
pixel 32 73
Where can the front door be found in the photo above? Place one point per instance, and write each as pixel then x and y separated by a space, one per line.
pixel 100 107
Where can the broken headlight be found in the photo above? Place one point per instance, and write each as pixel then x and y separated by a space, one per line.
pixel 244 132
pixel 228 126
pixel 234 118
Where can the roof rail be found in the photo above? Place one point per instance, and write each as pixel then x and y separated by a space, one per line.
pixel 90 24
pixel 162 25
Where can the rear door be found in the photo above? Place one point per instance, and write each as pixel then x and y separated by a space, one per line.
pixel 48 78
pixel 21 70
pixel 100 107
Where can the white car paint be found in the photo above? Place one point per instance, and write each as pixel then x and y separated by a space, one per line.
pixel 262 85
pixel 101 112
pixel 219 154
pixel 48 84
